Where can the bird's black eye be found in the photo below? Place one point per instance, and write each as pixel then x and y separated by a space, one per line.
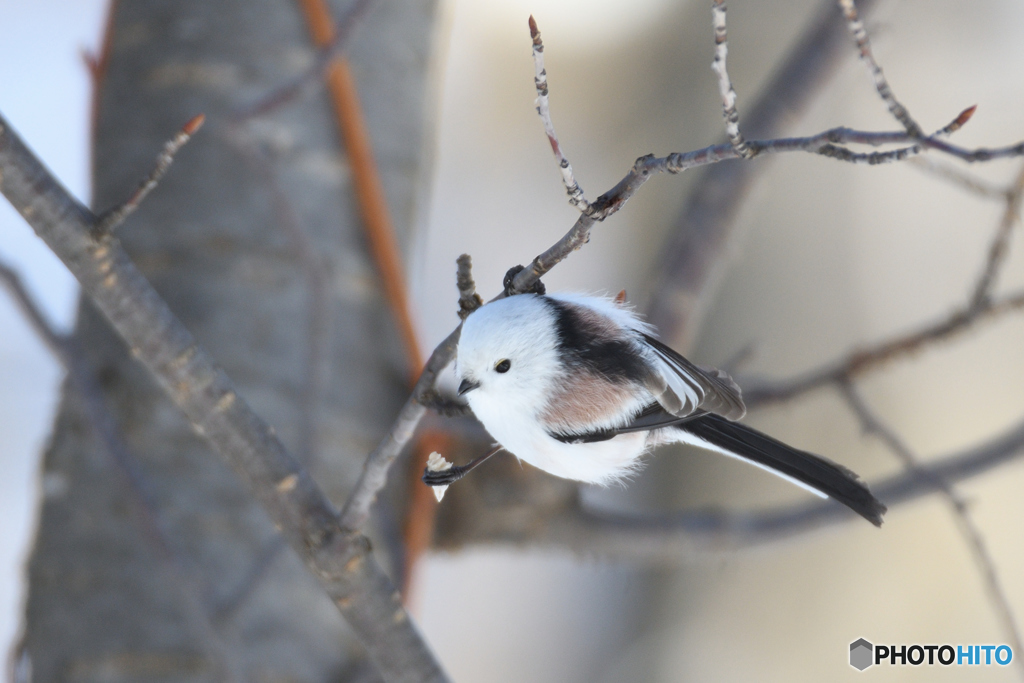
pixel 503 366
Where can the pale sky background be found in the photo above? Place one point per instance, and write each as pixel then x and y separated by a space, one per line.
pixel 44 94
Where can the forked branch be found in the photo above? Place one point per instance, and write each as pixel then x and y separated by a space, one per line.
pixel 833 143
pixel 338 557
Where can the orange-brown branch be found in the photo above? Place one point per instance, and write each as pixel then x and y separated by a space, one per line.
pixel 380 235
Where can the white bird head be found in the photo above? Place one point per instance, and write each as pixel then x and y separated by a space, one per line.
pixel 507 354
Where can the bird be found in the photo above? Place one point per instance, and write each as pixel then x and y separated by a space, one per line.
pixel 579 386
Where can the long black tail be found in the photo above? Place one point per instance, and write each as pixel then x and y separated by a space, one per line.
pixel 821 474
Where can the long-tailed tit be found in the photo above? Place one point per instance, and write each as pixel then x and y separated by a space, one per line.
pixel 578 386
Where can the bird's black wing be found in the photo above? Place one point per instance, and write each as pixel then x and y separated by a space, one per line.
pixel 682 387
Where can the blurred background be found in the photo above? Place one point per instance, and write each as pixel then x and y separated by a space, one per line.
pixel 825 258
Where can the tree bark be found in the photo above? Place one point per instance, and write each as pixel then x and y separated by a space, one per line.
pixel 254 240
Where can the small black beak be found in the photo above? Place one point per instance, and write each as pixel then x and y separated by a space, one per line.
pixel 466 385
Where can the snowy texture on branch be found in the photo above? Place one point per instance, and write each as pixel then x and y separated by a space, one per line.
pixel 860 37
pixel 729 112
pixel 572 188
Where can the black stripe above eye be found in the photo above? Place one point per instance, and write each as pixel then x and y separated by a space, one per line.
pixel 585 345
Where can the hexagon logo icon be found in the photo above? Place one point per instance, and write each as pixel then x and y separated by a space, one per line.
pixel 861 654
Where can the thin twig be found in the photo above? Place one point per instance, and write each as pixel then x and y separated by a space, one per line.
pixel 700 235
pixel 725 89
pixel 444 406
pixel 375 469
pixel 979 306
pixel 424 395
pixel 957 123
pixel 828 143
pixel 339 558
pixel 1000 243
pixel 227 607
pixel 380 235
pixel 54 340
pixel 572 188
pixel 953 174
pixel 860 38
pixel 110 219
pixel 324 57
pixel 98 64
pixel 757 393
pixel 469 300
pixel 974 155
pixel 872 424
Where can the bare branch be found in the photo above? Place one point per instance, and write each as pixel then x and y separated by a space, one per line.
pixel 691 259
pixel 424 396
pixel 953 174
pixel 444 406
pixel 757 393
pixel 375 469
pixel 310 76
pixel 469 300
pixel 828 143
pixel 572 188
pixel 380 235
pixel 860 38
pixel 227 607
pixel 974 155
pixel 338 557
pixel 869 158
pixel 32 312
pixel 959 122
pixel 729 112
pixel 113 217
pixel 872 424
pixel 1000 243
pixel 980 306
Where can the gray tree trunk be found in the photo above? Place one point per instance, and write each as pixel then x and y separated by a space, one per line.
pixel 254 239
